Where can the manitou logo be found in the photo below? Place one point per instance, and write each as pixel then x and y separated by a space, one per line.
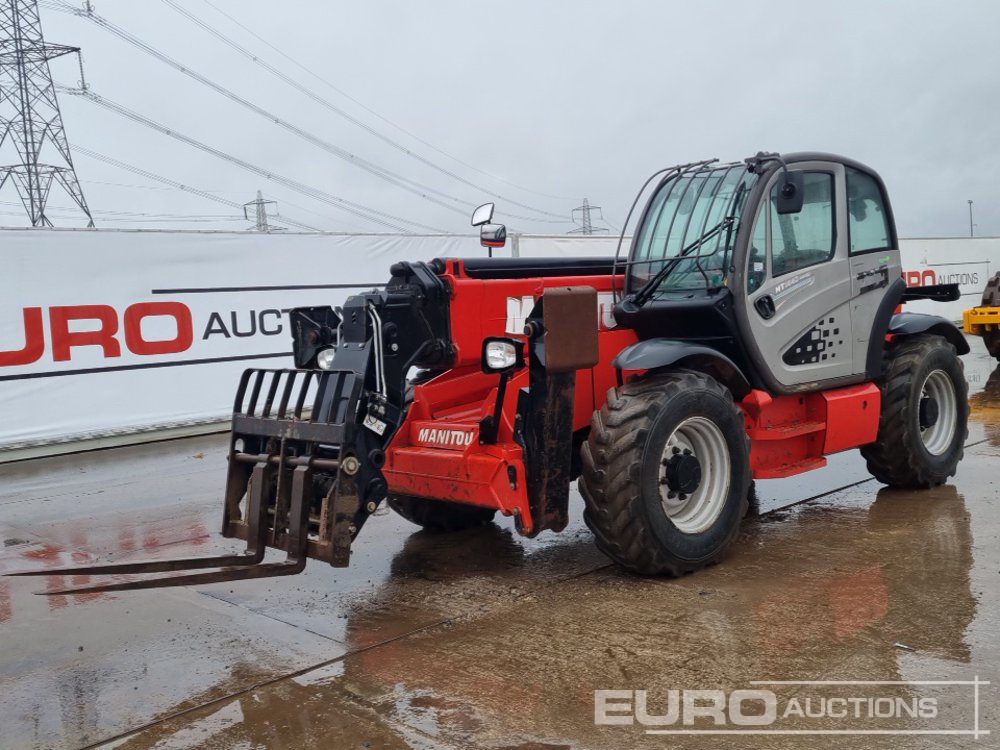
pixel 442 438
pixel 101 328
pixel 519 310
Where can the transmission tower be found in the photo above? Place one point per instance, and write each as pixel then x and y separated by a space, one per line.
pixel 586 225
pixel 260 212
pixel 29 113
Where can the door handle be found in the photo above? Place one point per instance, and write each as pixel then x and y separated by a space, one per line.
pixel 765 306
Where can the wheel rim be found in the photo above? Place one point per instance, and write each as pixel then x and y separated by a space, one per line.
pixel 693 512
pixel 939 390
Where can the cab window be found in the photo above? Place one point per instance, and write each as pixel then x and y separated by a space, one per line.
pixel 867 223
pixel 808 237
pixel 757 262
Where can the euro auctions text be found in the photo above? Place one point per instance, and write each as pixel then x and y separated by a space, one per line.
pixel 804 707
pixel 72 326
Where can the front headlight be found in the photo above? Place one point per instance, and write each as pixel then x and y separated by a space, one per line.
pixel 324 359
pixel 501 354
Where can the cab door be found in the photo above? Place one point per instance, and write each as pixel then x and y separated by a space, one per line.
pixel 799 284
pixel 875 263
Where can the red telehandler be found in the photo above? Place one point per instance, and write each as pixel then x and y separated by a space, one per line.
pixel 753 329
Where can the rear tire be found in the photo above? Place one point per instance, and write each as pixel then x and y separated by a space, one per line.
pixel 992 341
pixel 438 515
pixel 651 508
pixel 991 298
pixel 925 412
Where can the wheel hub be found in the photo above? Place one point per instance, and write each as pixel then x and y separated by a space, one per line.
pixel 683 473
pixel 694 474
pixel 929 412
pixel 937 412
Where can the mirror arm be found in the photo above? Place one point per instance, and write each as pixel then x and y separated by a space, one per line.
pixel 754 163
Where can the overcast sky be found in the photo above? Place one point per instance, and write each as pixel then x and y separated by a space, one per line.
pixel 548 102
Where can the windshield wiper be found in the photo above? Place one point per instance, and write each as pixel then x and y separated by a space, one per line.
pixel 648 289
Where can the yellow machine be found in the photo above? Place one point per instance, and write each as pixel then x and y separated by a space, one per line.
pixel 985 320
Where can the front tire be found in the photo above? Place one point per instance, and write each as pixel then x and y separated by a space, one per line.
pixel 666 473
pixel 925 413
pixel 438 515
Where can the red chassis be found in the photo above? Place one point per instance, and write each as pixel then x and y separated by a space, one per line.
pixel 437 453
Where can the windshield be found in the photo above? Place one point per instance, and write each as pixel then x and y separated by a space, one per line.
pixel 686 220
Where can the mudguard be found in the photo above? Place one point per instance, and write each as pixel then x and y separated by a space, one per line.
pixel 653 354
pixel 910 323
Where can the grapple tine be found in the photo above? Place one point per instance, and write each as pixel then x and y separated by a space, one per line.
pixel 272 391
pixel 297 481
pixel 298 517
pixel 298 540
pixel 287 394
pixel 147 566
pixel 215 576
pixel 256 509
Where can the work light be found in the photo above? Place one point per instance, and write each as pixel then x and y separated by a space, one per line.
pixel 324 359
pixel 502 354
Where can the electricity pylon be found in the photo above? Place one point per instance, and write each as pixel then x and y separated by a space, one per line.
pixel 30 122
pixel 586 225
pixel 260 213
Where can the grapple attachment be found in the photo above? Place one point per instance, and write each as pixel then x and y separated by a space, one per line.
pixel 293 482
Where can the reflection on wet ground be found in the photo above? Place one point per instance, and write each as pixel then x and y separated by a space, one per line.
pixel 986 407
pixel 485 639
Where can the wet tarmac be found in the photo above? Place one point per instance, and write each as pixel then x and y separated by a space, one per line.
pixel 487 640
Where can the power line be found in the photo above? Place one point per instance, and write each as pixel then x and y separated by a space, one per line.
pixel 108 215
pixel 115 220
pixel 178 185
pixel 123 185
pixel 135 214
pixel 308 210
pixel 53 5
pixel 419 189
pixel 365 212
pixel 391 177
pixel 360 104
pixel 181 220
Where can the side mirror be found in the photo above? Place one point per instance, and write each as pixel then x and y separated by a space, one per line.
pixel 790 193
pixel 482 215
pixel 493 235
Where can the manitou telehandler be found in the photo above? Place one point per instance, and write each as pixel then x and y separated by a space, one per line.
pixel 753 330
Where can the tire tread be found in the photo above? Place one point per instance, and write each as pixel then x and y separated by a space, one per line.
pixel 612 468
pixel 438 515
pixel 894 458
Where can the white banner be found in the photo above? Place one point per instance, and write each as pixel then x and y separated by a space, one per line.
pixel 968 262
pixel 110 332
pixel 104 332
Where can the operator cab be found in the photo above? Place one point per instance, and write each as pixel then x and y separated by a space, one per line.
pixel 788 266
